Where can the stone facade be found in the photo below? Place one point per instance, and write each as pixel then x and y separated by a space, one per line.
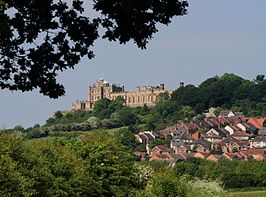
pixel 102 89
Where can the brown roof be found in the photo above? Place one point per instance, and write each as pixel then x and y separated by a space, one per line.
pixel 202 153
pixel 215 156
pixel 240 143
pixel 167 157
pixel 161 147
pixel 233 156
pixel 256 151
pixel 240 134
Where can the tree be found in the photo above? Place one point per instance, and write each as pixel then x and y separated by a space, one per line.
pixel 40 38
pixel 110 163
pixel 166 184
pixel 102 108
pixel 124 117
pixel 58 114
pixel 42 168
pixel 128 139
pixel 94 122
pixel 259 78
pixel 118 103
pixel 187 112
pixel 163 97
pixel 19 128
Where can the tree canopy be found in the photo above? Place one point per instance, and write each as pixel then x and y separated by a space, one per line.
pixel 39 38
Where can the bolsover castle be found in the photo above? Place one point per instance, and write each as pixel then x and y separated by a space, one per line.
pixel 102 89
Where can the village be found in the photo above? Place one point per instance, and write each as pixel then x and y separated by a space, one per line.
pixel 230 135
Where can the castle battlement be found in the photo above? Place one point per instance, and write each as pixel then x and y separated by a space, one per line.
pixel 103 89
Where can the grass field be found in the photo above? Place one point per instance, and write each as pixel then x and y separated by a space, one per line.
pixel 247 194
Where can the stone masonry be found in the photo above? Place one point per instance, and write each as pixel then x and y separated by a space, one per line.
pixel 103 89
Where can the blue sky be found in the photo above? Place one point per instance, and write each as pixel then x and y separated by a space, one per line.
pixel 215 37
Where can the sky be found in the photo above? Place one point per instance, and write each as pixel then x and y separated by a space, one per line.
pixel 214 38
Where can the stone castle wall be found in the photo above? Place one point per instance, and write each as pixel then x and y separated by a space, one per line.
pixel 102 89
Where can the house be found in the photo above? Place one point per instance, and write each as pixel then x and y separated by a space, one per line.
pixel 215 122
pixel 221 146
pixel 247 127
pixel 243 155
pixel 238 145
pixel 224 121
pixel 233 156
pixel 257 153
pixel 212 131
pixel 200 155
pixel 182 148
pixel 258 122
pixel 197 135
pixel 212 138
pixel 160 149
pixel 258 142
pixel 241 135
pixel 234 120
pixel 175 133
pixel 202 148
pixel 226 113
pixel 232 129
pixel 226 133
pixel 188 127
pixel 242 126
pixel 182 156
pixel 230 144
pixel 206 125
pixel 162 157
pixel 143 139
pixel 150 135
pixel 185 138
pixel 195 125
pixel 221 132
pixel 170 158
pixel 214 158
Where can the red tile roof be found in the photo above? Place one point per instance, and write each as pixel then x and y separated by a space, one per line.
pixel 240 134
pixel 257 122
pixel 256 151
pixel 236 155
pixel 161 147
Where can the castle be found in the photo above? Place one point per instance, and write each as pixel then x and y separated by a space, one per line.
pixel 103 89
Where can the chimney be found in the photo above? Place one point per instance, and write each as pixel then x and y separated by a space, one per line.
pixel 181 85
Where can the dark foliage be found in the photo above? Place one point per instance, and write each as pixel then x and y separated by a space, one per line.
pixel 39 38
pixel 233 174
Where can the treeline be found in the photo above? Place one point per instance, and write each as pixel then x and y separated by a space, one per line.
pixel 95 164
pixel 226 92
pixel 232 174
